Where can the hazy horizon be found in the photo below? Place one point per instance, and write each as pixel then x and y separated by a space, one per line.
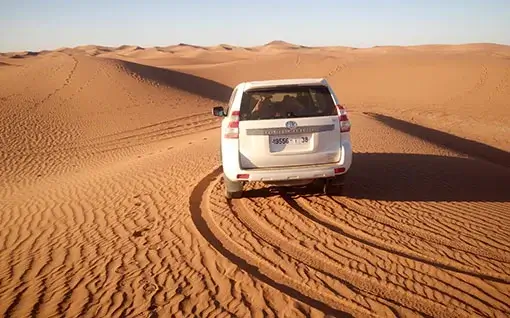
pixel 36 25
pixel 259 44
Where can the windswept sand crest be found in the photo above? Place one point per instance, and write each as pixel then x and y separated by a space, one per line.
pixel 112 203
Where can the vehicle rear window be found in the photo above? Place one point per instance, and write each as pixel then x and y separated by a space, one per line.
pixel 287 102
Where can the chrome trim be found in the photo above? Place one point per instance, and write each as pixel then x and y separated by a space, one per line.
pixel 287 131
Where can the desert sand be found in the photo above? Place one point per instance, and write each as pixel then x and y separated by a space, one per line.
pixel 111 197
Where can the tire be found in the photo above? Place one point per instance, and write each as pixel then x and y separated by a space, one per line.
pixel 233 195
pixel 330 188
pixel 233 189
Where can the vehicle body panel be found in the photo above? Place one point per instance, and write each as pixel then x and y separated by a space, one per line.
pixel 274 150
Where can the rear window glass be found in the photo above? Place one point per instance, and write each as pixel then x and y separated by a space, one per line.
pixel 287 102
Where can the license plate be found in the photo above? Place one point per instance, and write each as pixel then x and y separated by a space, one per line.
pixel 294 140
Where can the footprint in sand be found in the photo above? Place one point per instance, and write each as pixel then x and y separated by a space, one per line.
pixel 138 233
pixel 149 287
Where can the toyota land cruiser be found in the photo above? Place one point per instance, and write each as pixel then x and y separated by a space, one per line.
pixel 284 132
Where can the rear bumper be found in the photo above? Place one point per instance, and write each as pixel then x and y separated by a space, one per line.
pixel 290 174
pixel 234 172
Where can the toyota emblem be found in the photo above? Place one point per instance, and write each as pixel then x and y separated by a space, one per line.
pixel 291 124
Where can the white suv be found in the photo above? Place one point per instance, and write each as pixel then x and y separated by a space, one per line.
pixel 289 132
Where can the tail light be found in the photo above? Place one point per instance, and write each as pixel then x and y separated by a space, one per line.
pixel 339 170
pixel 233 126
pixel 345 123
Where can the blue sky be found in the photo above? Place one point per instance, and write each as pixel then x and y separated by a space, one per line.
pixel 37 25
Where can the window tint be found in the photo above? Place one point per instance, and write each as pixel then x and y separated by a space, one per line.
pixel 287 102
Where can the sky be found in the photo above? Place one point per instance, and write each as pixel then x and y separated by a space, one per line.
pixel 39 25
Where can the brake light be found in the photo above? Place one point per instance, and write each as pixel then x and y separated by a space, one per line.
pixel 243 176
pixel 233 126
pixel 345 123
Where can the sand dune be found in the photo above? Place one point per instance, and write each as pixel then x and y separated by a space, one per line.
pixel 2 63
pixel 278 46
pixel 112 204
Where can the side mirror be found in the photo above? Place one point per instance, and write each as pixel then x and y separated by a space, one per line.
pixel 218 111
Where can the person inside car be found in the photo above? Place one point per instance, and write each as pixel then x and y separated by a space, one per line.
pixel 291 107
pixel 262 108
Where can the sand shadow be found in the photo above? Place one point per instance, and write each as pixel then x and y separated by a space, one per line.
pixel 413 177
pixel 25 55
pixel 418 177
pixel 183 81
pixel 275 191
pixel 468 147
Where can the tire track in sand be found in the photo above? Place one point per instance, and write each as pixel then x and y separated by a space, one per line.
pixel 260 269
pixel 113 245
pixel 403 272
pixel 376 291
pixel 482 292
pixel 368 285
pixel 143 135
pixel 464 222
pixel 330 202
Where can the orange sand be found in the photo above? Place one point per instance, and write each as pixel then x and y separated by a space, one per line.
pixel 111 202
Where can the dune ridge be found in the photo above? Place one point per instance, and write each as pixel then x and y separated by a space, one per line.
pixel 112 198
pixel 276 45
